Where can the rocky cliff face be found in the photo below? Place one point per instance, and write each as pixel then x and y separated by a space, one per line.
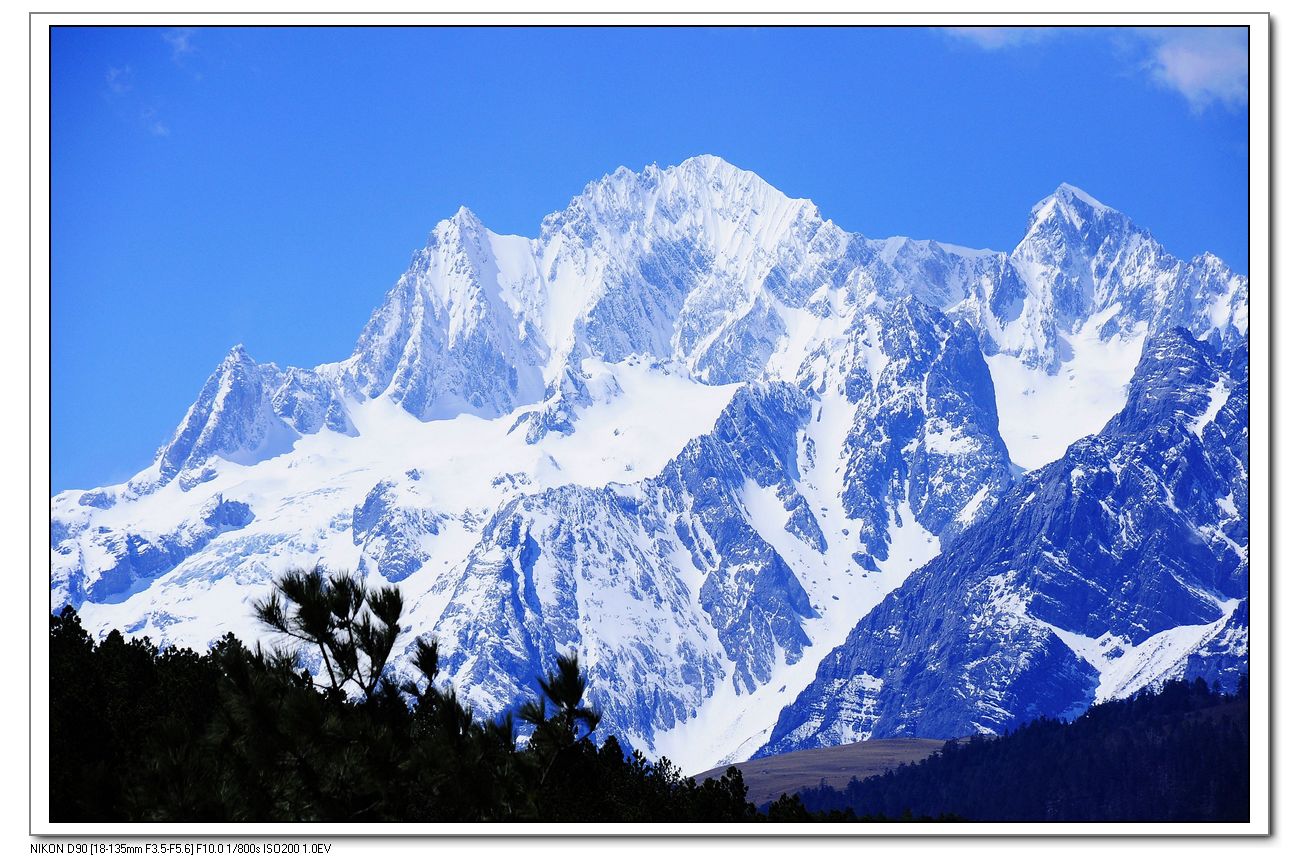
pixel 1122 563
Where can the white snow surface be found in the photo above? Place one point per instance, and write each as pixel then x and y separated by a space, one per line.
pixel 1218 397
pixel 460 462
pixel 1041 414
pixel 1126 668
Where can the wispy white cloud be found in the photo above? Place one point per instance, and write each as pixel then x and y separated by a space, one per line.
pixel 140 103
pixel 994 38
pixel 180 40
pixel 153 124
pixel 118 79
pixel 1207 65
pixel 132 104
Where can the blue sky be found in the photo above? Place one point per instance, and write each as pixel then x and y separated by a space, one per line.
pixel 213 186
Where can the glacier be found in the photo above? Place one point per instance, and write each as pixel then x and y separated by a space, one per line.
pixel 703 436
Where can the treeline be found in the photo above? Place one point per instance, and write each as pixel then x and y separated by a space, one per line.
pixel 1180 754
pixel 141 734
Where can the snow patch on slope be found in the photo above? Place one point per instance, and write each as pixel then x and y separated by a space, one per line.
pixel 1041 414
pixel 1126 668
pixel 1218 397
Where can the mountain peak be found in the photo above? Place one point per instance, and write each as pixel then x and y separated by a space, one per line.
pixel 461 229
pixel 692 176
pixel 1074 194
pixel 702 164
pixel 1071 200
pixel 1071 204
pixel 709 163
pixel 716 168
pixel 462 221
pixel 465 215
pixel 237 355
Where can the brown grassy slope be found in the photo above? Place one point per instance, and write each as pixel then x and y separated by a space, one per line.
pixel 768 777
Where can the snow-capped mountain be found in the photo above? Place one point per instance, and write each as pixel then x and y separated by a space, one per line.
pixel 694 430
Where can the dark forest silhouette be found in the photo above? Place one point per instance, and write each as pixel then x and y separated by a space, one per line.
pixel 232 734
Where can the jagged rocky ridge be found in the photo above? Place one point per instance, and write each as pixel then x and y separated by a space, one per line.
pixel 1074 585
pixel 693 429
